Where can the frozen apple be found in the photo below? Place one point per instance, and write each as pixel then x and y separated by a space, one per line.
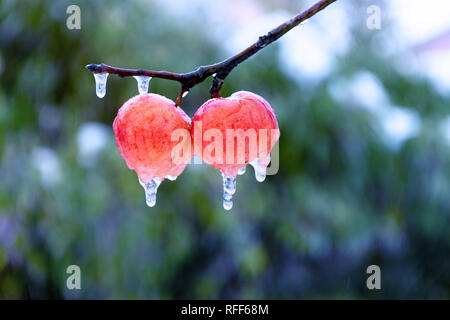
pixel 148 128
pixel 229 133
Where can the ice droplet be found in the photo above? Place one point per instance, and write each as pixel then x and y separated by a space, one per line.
pixel 229 188
pixel 242 170
pixel 150 188
pixel 100 83
pixel 171 178
pixel 260 166
pixel 227 202
pixel 142 82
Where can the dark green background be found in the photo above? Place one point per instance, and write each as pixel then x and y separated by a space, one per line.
pixel 341 201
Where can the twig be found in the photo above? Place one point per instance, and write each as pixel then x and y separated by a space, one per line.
pixel 220 70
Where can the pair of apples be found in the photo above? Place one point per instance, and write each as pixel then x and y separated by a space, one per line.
pixel 157 139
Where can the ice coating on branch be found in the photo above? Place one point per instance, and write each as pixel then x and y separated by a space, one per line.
pixel 260 166
pixel 229 188
pixel 100 83
pixel 150 188
pixel 242 170
pixel 142 83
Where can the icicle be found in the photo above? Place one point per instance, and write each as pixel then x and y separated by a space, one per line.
pixel 242 170
pixel 142 82
pixel 260 171
pixel 100 83
pixel 227 201
pixel 171 178
pixel 229 188
pixel 260 166
pixel 150 190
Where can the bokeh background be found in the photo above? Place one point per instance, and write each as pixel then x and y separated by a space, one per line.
pixel 364 172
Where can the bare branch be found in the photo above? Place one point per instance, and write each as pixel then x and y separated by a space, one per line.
pixel 219 70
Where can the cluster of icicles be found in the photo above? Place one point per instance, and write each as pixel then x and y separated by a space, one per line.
pixel 229 183
pixel 151 188
pixel 100 83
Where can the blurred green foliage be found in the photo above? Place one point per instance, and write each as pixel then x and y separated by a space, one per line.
pixel 341 201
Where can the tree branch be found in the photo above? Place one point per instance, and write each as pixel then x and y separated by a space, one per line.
pixel 220 70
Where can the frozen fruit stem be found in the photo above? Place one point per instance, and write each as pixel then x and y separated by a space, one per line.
pixel 220 70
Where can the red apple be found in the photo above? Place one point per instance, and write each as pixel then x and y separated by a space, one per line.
pixel 229 133
pixel 146 130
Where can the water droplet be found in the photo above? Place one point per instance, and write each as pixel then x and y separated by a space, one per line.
pixel 142 82
pixel 242 170
pixel 229 188
pixel 171 178
pixel 227 204
pixel 185 94
pixel 150 188
pixel 260 166
pixel 214 75
pixel 100 83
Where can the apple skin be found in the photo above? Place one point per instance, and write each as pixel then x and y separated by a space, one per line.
pixel 242 110
pixel 143 130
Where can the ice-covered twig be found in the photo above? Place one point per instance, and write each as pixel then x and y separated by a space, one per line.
pixel 220 70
